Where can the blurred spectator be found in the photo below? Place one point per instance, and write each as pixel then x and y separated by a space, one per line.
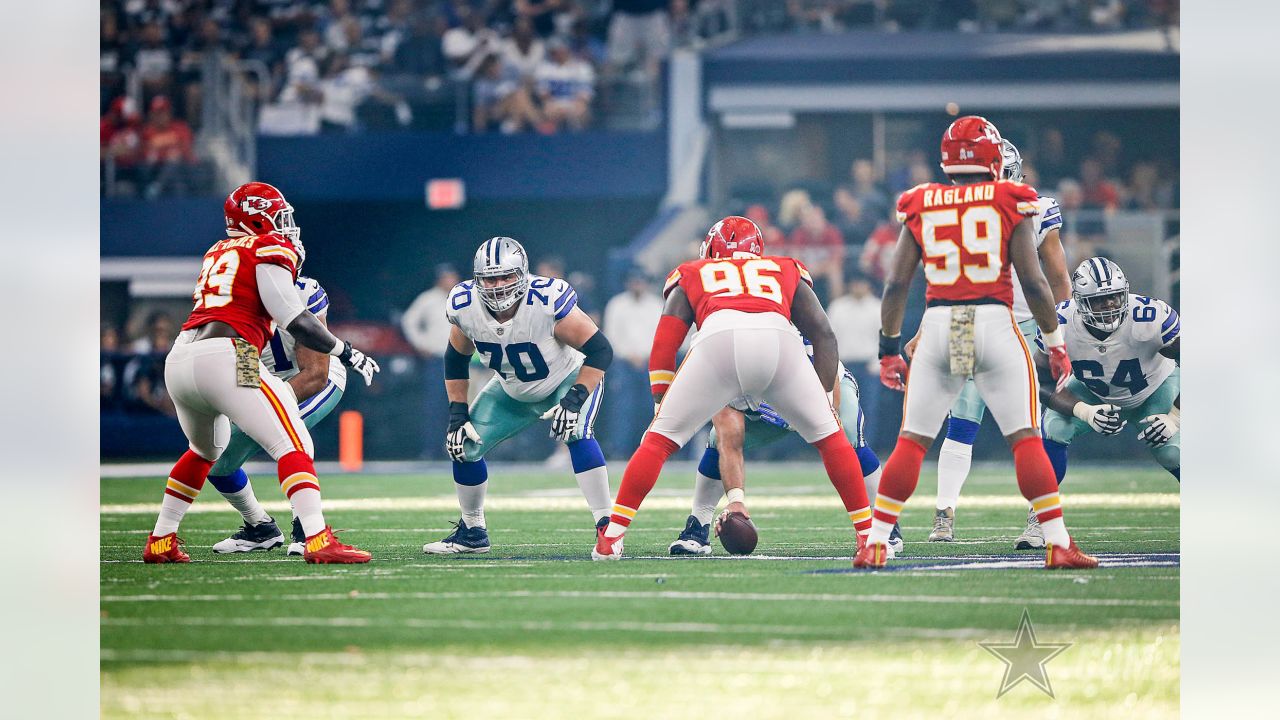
pixel 467 45
pixel 791 207
pixel 153 60
pixel 1146 191
pixel 421 52
pixel 120 133
pixel 157 335
pixel 540 13
pixel 333 24
pixel 500 99
pixel 524 51
pixel 639 36
pixel 113 57
pixel 774 240
pixel 344 87
pixel 109 369
pixel 584 43
pixel 820 246
pixel 261 49
pixel 855 319
pixel 865 188
pixel 814 15
pixel 426 328
pixel 565 85
pixel 630 321
pixel 877 253
pixel 550 266
pixel 1099 192
pixel 1051 156
pixel 167 148
pixel 206 39
pixel 307 57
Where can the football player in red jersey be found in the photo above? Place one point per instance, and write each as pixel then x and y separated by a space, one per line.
pixel 215 377
pixel 967 234
pixel 745 304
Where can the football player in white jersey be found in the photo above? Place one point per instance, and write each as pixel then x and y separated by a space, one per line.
pixel 549 361
pixel 319 378
pixel 1124 352
pixel 956 454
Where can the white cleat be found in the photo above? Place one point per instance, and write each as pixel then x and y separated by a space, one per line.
pixel 263 536
pixel 295 548
pixel 1032 538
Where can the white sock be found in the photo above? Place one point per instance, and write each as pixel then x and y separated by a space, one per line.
pixel 954 461
pixel 594 484
pixel 171 511
pixel 706 495
pixel 614 530
pixel 872 482
pixel 248 505
pixel 471 500
pixel 306 507
pixel 880 531
pixel 1055 532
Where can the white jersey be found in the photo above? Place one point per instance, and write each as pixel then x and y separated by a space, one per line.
pixel 1048 216
pixel 280 354
pixel 1126 367
pixel 524 352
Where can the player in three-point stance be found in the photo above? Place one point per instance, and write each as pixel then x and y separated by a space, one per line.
pixel 549 360
pixel 747 423
pixel 1124 355
pixel 216 377
pixel 956 454
pixel 967 233
pixel 744 304
pixel 319 378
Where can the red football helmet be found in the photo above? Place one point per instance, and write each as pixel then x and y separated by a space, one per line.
pixel 732 237
pixel 257 208
pixel 972 145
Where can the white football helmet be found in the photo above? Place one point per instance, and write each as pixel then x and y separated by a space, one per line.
pixel 498 257
pixel 1101 291
pixel 1012 169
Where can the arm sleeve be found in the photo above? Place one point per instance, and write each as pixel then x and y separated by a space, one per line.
pixel 1170 325
pixel 278 293
pixel 662 358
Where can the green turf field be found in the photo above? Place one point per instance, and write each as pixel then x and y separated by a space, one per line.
pixel 536 630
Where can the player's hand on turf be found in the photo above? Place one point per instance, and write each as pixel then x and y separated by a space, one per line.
pixel 460 430
pixel 771 416
pixel 893 372
pixel 564 416
pixel 1104 419
pixel 359 362
pixel 1160 428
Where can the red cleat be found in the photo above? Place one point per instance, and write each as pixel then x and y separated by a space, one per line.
pixel 607 548
pixel 871 555
pixel 164 549
pixel 1070 557
pixel 325 548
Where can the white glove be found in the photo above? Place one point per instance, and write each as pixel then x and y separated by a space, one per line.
pixel 1104 419
pixel 359 362
pixel 460 430
pixel 1160 427
pixel 564 415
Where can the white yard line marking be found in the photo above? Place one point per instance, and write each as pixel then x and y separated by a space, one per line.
pixel 654 595
pixel 449 503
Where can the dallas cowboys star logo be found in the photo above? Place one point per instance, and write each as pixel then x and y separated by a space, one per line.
pixel 1025 658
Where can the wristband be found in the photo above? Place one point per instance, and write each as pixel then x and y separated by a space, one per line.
pixel 339 347
pixel 1053 339
pixel 890 345
pixel 735 495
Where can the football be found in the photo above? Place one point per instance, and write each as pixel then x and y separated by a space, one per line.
pixel 737 533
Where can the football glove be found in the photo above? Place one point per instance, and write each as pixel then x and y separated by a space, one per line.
pixel 1059 362
pixel 893 372
pixel 564 415
pixel 1160 427
pixel 359 362
pixel 1104 419
pixel 771 416
pixel 460 430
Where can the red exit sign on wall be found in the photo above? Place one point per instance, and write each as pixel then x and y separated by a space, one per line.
pixel 446 194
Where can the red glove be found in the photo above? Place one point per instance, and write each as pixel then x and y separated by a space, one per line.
pixel 893 372
pixel 1060 365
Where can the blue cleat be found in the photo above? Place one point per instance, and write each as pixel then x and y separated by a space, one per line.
pixel 462 540
pixel 263 536
pixel 694 540
pixel 895 540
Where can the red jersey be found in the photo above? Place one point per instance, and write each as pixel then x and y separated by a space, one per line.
pixel 227 290
pixel 963 232
pixel 748 284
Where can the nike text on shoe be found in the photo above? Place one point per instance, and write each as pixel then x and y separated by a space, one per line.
pixel 695 539
pixel 463 539
pixel 265 535
pixel 164 549
pixel 324 548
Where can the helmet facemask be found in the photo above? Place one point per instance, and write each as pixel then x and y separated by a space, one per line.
pixel 1104 311
pixel 501 297
pixel 1012 169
